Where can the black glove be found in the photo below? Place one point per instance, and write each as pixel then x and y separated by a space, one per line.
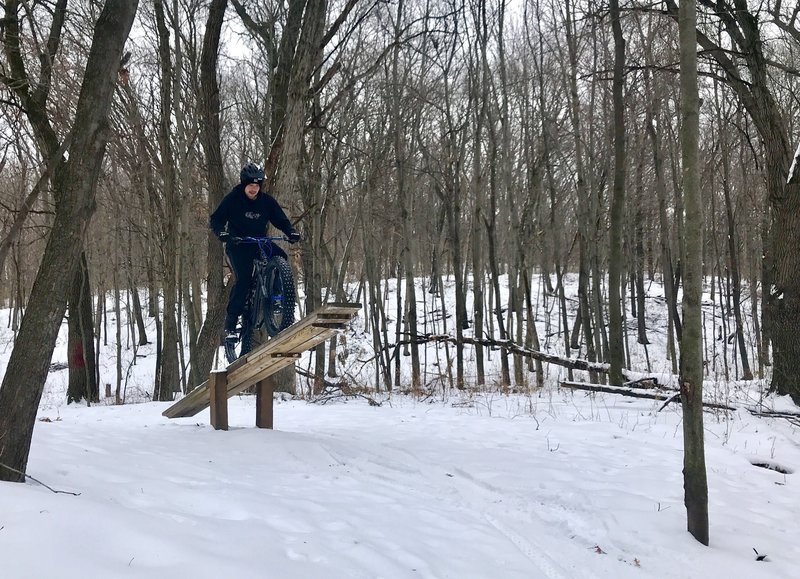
pixel 294 237
pixel 226 237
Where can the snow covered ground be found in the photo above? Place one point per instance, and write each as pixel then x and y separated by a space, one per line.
pixel 550 484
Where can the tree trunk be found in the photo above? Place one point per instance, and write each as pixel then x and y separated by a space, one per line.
pixel 208 339
pixel 170 367
pixel 694 462
pixel 664 233
pixel 616 225
pixel 82 360
pixel 75 189
pixel 584 312
pixel 733 256
pixel 782 287
pixel 405 200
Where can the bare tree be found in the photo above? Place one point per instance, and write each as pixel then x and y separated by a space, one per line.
pixel 616 225
pixel 75 188
pixel 694 462
pixel 208 338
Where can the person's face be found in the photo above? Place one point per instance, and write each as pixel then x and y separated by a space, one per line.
pixel 251 190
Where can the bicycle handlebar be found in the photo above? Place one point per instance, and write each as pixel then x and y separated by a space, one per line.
pixel 264 243
pixel 259 239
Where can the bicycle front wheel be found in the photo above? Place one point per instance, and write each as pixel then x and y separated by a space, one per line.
pixel 246 342
pixel 278 293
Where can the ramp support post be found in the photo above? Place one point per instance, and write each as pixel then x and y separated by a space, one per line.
pixel 264 401
pixel 218 393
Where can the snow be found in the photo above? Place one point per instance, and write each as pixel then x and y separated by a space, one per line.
pixel 544 484
pixel 794 167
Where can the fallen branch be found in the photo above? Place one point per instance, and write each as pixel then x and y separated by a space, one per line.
pixel 19 472
pixel 333 390
pixel 632 392
pixel 754 410
pixel 673 396
pixel 646 383
pixel 325 383
pixel 570 363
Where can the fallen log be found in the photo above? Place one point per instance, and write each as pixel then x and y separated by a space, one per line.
pixel 570 363
pixel 672 395
pixel 634 393
pixel 645 383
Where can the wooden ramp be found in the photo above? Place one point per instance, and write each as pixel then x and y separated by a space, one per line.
pixel 253 368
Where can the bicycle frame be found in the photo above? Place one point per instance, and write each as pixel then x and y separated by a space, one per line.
pixel 263 242
pixel 261 300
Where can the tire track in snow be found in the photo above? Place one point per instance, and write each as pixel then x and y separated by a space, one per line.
pixel 480 498
pixel 535 553
pixel 544 563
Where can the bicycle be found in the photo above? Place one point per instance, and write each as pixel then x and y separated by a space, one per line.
pixel 270 303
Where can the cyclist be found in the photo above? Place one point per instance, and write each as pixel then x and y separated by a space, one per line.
pixel 246 212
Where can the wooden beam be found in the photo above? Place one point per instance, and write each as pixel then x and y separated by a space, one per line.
pixel 278 352
pixel 264 403
pixel 218 396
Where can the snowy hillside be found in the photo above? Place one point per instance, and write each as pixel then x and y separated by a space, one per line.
pixel 547 484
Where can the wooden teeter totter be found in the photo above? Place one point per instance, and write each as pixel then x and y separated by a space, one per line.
pixel 254 368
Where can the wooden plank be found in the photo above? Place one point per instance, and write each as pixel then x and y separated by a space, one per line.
pixel 184 406
pixel 332 316
pixel 275 354
pixel 218 396
pixel 264 403
pixel 283 337
pixel 340 314
pixel 289 345
pixel 292 343
pixel 278 364
pixel 267 365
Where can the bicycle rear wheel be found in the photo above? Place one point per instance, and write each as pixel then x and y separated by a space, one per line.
pixel 270 307
pixel 278 293
pixel 234 350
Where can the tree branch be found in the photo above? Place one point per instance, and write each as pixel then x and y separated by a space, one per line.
pixel 30 200
pixel 46 58
pixel 25 475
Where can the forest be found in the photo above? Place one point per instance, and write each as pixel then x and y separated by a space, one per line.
pixel 472 142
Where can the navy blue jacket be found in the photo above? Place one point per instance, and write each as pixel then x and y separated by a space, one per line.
pixel 246 218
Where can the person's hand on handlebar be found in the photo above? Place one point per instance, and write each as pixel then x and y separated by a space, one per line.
pixel 226 237
pixel 293 237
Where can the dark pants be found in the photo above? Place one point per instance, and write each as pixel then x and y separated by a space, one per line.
pixel 241 258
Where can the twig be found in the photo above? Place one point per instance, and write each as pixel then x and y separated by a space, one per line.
pixel 26 475
pixel 671 399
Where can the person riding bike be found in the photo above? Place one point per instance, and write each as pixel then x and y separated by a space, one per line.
pixel 246 212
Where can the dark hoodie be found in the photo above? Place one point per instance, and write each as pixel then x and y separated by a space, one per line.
pixel 246 218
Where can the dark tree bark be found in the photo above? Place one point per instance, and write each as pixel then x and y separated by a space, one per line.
pixel 584 317
pixel 733 256
pixel 75 189
pixel 694 463
pixel 169 376
pixel 750 82
pixel 668 276
pixel 202 355
pixel 288 133
pixel 82 360
pixel 616 226
pixel 34 96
